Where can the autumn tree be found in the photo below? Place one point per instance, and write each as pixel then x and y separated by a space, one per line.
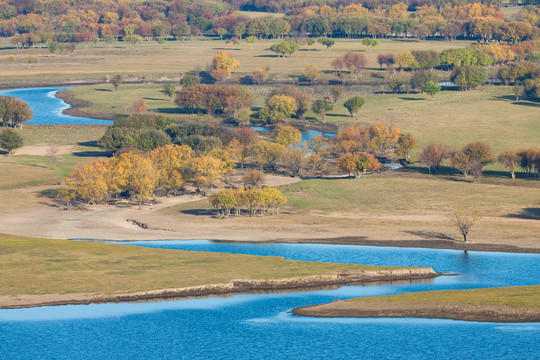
pixel 353 105
pixel 205 171
pixel 312 72
pixel 383 138
pixel 141 177
pixel 321 108
pixel 324 41
pixel 117 80
pixel 431 89
pixel 138 107
pixel 478 154
pixel 285 48
pixel 293 160
pixel 406 143
pixel 259 76
pixel 170 162
pixel 277 109
pixel 189 80
pixel 265 153
pixel 464 218
pixel 169 90
pixel 432 156
pixel 337 93
pixel 224 61
pixel 10 140
pixel 358 163
pixel 286 135
pixel 509 160
pixel 14 111
pixel 251 40
pixel 253 178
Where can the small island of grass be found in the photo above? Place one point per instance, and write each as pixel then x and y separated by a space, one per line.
pixel 37 272
pixel 509 304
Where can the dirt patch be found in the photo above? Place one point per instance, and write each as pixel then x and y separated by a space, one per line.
pixel 42 150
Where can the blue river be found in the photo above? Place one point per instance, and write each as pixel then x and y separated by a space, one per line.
pixel 48 109
pixel 262 327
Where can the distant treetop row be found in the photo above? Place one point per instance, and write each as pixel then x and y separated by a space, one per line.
pixel 46 21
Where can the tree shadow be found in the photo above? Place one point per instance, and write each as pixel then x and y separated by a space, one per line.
pixel 309 50
pixel 267 56
pixel 512 98
pixel 155 99
pixel 92 143
pixel 431 235
pixel 172 111
pixel 527 213
pixel 91 153
pixel 109 90
pixel 411 98
pixel 198 212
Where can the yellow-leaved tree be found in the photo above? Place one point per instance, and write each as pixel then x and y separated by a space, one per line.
pixel 205 171
pixel 141 176
pixel 223 60
pixel 170 162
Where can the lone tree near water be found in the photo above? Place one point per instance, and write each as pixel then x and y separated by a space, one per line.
pixel 464 218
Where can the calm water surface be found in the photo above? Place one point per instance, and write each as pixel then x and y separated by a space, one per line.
pixel 48 108
pixel 262 327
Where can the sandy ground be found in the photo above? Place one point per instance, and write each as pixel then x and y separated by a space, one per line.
pixel 45 218
pixel 43 150
pixel 37 216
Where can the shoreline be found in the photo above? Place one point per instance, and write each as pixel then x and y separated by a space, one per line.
pixel 233 288
pixel 425 244
pixel 511 304
pixel 462 312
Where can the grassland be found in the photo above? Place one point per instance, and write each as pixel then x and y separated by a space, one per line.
pixel 454 118
pixel 156 62
pixel 43 266
pixel 509 304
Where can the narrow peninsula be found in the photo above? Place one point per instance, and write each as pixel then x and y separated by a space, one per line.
pixel 503 305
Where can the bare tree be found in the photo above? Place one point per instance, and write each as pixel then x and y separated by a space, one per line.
pixel 464 218
pixel 52 153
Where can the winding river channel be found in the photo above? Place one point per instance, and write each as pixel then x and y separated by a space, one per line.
pixel 261 326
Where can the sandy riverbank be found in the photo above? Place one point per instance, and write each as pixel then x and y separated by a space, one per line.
pixel 234 287
pixel 42 217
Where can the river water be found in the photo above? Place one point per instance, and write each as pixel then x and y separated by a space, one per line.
pixel 48 109
pixel 262 327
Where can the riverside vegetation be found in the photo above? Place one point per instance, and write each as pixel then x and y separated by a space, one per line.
pixel 428 87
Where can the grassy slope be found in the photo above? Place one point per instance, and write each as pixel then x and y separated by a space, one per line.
pixel 514 297
pixel 44 266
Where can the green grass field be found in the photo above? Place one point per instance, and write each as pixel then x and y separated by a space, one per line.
pixel 514 297
pixel 45 266
pixel 403 195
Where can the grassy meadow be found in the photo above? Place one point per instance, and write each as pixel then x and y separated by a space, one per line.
pixel 156 62
pixel 514 297
pixel 44 266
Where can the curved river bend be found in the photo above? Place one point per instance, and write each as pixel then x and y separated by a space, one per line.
pixel 261 326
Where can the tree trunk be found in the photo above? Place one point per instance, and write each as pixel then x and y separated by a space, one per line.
pixel 464 237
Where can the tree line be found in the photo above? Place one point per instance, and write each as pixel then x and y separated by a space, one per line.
pixel 52 22
pixel 472 158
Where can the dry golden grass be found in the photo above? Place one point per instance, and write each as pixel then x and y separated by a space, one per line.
pixel 45 266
